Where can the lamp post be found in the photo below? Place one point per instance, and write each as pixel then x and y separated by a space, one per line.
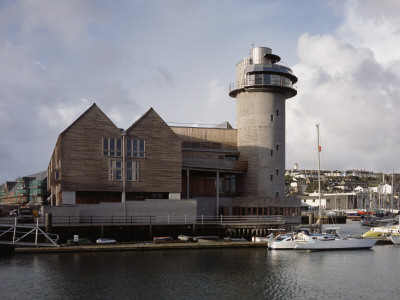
pixel 123 198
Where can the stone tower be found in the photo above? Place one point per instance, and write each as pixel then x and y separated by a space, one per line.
pixel 261 88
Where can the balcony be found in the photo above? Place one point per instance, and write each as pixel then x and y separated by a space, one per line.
pixel 210 164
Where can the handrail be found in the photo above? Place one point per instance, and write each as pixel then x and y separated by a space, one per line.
pixel 157 219
pixel 253 83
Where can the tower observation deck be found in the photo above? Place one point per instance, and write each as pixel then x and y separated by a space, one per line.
pixel 261 88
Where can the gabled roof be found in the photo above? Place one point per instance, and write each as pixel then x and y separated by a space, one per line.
pixel 151 112
pixel 89 110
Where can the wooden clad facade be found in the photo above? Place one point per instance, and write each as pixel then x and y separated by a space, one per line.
pixel 82 168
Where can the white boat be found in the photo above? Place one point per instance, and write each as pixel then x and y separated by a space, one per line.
pixel 290 241
pixel 381 232
pixel 105 241
pixel 331 242
pixel 395 239
pixel 337 244
pixel 286 241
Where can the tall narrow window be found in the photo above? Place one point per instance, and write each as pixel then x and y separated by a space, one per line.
pixel 277 171
pixel 272 118
pixel 277 112
pixel 277 147
pixel 272 152
pixel 115 170
pixel 272 177
pixel 277 194
pixel 132 171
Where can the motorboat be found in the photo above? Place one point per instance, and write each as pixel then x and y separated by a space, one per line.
pixel 206 238
pixel 395 239
pixel 374 221
pixel 105 241
pixel 381 232
pixel 336 244
pixel 163 238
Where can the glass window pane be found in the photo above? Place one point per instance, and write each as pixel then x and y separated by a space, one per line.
pixel 118 164
pixel 112 144
pixel 128 174
pixel 129 165
pixel 128 145
pixel 135 148
pixel 118 144
pixel 105 144
pixel 118 174
pixel 141 146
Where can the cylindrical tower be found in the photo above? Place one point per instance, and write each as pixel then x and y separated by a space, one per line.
pixel 261 88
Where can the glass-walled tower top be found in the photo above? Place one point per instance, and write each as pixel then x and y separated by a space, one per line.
pixel 261 71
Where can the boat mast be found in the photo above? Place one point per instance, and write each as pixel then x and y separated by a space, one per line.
pixel 392 191
pixel 319 179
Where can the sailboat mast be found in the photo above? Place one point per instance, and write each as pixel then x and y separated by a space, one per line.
pixel 319 173
pixel 392 191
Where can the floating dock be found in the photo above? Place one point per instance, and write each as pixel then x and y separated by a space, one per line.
pixel 141 246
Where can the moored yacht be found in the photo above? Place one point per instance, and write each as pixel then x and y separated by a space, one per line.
pixel 337 244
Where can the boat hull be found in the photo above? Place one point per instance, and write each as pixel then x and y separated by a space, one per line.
pixel 287 245
pixel 338 244
pixel 395 239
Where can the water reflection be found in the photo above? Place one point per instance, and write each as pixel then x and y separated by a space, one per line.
pixel 204 274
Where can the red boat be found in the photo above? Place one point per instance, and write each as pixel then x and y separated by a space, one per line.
pixel 162 238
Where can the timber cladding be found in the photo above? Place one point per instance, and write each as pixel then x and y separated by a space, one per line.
pixel 79 155
pixel 195 137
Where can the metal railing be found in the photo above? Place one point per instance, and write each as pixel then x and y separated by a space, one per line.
pixel 26 235
pixel 159 219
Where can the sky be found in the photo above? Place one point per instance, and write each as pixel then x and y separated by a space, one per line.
pixel 57 58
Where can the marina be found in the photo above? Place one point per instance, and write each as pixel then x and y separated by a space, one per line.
pixel 207 273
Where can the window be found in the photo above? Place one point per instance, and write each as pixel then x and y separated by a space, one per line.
pixel 272 118
pixel 112 147
pixel 272 177
pixel 132 171
pixel 277 194
pixel 277 112
pixel 277 171
pixel 277 147
pixel 272 152
pixel 230 183
pixel 135 148
pixel 115 170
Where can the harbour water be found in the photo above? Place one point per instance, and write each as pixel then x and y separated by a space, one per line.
pixel 205 274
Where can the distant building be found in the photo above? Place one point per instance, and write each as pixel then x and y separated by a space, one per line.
pixel 27 189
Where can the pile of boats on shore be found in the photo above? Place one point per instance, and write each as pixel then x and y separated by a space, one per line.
pixel 330 239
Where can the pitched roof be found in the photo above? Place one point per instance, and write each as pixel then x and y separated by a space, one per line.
pixel 89 110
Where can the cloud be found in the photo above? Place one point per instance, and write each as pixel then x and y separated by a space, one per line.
pixel 351 89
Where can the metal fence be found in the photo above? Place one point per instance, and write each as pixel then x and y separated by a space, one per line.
pixel 160 219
